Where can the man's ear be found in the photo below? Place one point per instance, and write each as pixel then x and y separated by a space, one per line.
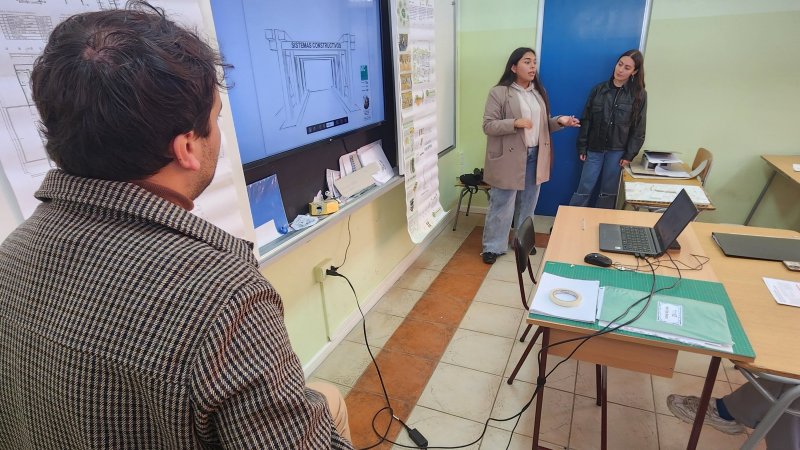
pixel 186 148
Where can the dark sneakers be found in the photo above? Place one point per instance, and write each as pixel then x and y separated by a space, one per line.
pixel 489 257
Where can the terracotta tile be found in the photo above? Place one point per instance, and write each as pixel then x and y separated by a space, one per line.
pixel 404 376
pixel 421 338
pixel 541 240
pixel 474 242
pixel 439 308
pixel 361 408
pixel 456 285
pixel 463 263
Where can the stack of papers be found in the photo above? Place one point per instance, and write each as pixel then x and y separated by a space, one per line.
pixel 661 157
pixel 672 171
pixel 675 318
pixel 663 193
pixel 639 169
pixel 586 311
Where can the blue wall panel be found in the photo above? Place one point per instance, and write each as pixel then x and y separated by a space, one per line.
pixel 581 40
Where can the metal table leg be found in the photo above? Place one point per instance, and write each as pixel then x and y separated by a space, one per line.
pixel 540 395
pixel 711 376
pixel 760 196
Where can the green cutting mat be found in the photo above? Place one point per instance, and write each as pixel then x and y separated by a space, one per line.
pixel 704 291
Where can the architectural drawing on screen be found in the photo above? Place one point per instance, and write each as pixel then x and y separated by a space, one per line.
pixel 317 88
pixel 22 121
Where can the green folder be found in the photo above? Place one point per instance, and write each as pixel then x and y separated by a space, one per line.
pixel 668 315
pixel 703 291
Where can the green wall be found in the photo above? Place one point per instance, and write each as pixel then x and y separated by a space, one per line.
pixel 724 77
pixel 721 74
pixel 487 32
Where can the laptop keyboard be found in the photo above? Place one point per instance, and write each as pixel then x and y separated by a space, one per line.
pixel 636 239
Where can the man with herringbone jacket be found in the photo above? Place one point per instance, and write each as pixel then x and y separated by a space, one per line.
pixel 126 321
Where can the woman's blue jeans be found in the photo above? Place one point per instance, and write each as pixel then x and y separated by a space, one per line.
pixel 508 204
pixel 605 167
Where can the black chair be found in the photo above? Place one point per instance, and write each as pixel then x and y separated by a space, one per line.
pixel 524 243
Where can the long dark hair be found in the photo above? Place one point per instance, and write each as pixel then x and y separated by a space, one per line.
pixel 509 76
pixel 636 81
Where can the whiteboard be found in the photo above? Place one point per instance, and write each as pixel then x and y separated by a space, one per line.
pixel 445 70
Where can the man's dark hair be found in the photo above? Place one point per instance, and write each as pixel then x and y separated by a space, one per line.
pixel 115 87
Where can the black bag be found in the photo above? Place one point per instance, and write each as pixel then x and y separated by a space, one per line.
pixel 472 179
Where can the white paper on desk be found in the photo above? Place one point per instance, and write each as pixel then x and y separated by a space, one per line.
pixel 784 292
pixel 796 167
pixel 671 171
pixel 588 290
pixel 663 193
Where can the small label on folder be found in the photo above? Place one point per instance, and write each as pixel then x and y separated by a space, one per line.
pixel 670 313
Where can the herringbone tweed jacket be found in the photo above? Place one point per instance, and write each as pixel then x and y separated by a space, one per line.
pixel 128 322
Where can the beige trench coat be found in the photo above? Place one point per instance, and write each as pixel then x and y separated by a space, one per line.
pixel 506 152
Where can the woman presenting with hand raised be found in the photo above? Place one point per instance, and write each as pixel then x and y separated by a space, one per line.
pixel 517 123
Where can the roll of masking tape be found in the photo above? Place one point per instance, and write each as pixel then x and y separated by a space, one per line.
pixel 574 302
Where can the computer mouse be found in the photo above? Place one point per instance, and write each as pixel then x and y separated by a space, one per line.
pixel 597 259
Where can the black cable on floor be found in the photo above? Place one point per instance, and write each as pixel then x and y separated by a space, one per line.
pixel 539 384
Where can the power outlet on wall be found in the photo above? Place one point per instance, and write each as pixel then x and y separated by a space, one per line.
pixel 319 270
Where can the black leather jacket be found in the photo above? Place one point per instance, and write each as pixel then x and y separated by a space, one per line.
pixel 607 122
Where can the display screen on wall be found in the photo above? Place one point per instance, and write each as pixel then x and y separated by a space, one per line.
pixel 304 71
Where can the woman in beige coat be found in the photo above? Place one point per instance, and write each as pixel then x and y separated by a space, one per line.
pixel 517 124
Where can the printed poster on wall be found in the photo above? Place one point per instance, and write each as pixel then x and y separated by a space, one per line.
pixel 417 86
pixel 24 29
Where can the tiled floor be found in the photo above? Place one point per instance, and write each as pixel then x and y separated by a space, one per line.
pixel 446 339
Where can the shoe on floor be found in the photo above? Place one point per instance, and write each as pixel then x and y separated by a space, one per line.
pixel 489 257
pixel 685 408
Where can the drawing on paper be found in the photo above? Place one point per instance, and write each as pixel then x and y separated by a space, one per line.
pixel 25 27
pixel 27 140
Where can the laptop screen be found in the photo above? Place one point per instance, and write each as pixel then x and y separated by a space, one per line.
pixel 680 212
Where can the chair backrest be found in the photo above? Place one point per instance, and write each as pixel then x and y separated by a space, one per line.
pixel 703 155
pixel 524 242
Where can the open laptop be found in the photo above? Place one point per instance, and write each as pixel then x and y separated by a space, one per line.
pixel 648 241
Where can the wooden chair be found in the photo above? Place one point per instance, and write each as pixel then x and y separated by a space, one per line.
pixel 523 246
pixel 703 155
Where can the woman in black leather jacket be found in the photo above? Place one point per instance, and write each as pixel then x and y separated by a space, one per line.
pixel 612 130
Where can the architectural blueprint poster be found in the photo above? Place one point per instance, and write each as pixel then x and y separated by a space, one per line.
pixel 24 29
pixel 417 86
